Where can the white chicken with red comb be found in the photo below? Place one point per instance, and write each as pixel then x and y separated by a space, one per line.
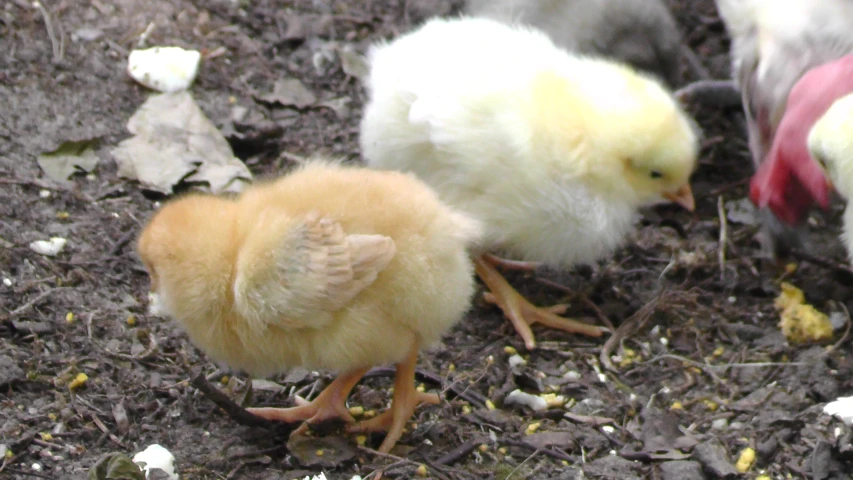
pixel 775 43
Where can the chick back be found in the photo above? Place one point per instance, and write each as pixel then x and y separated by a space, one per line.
pixel 426 287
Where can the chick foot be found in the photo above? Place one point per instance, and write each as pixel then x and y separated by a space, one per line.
pixel 522 313
pixel 329 404
pixel 406 398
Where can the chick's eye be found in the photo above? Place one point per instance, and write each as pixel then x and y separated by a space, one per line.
pixel 654 174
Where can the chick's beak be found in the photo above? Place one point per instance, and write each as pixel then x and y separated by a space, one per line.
pixel 683 196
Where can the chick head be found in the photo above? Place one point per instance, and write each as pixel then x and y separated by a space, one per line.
pixel 621 131
pixel 830 143
pixel 182 247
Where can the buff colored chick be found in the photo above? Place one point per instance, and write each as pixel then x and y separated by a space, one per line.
pixel 831 144
pixel 641 33
pixel 774 44
pixel 331 267
pixel 552 152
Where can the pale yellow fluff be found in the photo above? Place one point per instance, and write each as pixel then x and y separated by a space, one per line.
pixel 330 267
pixel 831 144
pixel 552 152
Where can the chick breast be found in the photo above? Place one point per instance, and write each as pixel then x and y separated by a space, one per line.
pixel 424 289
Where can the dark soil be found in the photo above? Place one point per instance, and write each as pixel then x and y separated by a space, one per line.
pixel 706 374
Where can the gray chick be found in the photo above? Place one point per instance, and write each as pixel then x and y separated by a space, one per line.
pixel 642 33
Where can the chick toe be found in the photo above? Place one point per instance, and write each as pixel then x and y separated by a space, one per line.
pixel 521 313
pixel 406 398
pixel 330 404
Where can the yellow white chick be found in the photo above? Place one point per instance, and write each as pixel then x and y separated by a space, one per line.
pixel 553 152
pixel 830 143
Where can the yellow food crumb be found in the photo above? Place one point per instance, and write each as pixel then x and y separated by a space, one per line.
pixel 718 351
pixel 801 322
pixel 553 400
pixel 52 416
pixel 421 388
pixel 510 350
pixel 451 368
pixel 46 436
pixel 421 471
pixel 676 406
pixel 69 317
pixel 361 440
pixel 763 477
pixel 483 448
pixel 232 99
pixel 62 215
pixel 502 450
pixel 490 405
pixel 9 453
pixel 319 453
pixel 565 463
pixel 131 320
pixel 711 405
pixel 356 411
pixel 745 460
pixel 790 268
pixel 78 381
pixel 466 409
pixel 369 413
pixel 224 380
pixel 532 428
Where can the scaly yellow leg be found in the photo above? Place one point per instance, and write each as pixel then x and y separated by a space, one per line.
pixel 522 313
pixel 403 404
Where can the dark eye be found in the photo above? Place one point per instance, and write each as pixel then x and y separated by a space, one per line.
pixel 654 174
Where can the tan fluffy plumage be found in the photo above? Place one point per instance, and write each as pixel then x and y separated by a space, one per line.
pixel 330 267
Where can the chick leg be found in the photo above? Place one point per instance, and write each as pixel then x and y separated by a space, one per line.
pixel 522 313
pixel 329 404
pixel 403 404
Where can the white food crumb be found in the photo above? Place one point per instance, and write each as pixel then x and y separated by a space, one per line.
pixel 516 360
pixel 155 456
pixel 664 341
pixel 535 403
pixel 44 193
pixel 602 378
pixel 655 331
pixel 572 375
pixel 165 69
pixel 51 247
pixel 7 281
pixel 322 476
pixel 719 424
pixel 608 429
pixel 841 409
pixel 36 467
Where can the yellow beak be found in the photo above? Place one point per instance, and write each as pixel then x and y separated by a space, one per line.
pixel 683 196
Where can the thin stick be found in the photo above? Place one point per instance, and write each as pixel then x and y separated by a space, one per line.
pixel 634 323
pixel 724 236
pixel 57 45
pixel 236 412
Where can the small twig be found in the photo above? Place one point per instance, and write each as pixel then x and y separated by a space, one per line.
pixel 694 64
pixel 583 298
pixel 236 412
pixel 293 157
pixel 724 236
pixel 106 431
pixel 525 445
pixel 28 474
pixel 121 242
pixel 34 301
pixel 593 420
pixel 462 451
pixel 716 93
pixel 821 262
pixel 58 45
pixel 632 324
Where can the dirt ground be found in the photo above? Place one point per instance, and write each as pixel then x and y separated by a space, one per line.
pixel 706 374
